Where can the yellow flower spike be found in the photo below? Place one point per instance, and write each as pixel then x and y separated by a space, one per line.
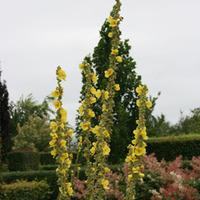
pixel 119 59
pixel 114 52
pixel 85 126
pixel 149 104
pixel 53 126
pixel 110 34
pixel 106 95
pixel 109 72
pixel 117 87
pixel 57 104
pixel 56 93
pixel 61 75
pixel 91 113
pixel 93 100
pixel 106 149
pixel 105 184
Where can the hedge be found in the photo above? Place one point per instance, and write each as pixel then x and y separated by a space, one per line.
pixel 46 159
pixel 23 161
pixel 23 190
pixel 49 176
pixel 170 147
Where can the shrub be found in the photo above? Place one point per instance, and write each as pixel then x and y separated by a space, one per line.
pixel 48 167
pixel 23 161
pixel 49 176
pixel 46 159
pixel 170 147
pixel 23 190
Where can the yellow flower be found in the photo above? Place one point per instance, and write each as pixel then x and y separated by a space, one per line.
pixel 82 66
pixel 54 152
pixel 106 149
pixel 106 169
pixel 106 95
pixel 109 72
pixel 130 176
pixel 81 110
pixel 63 143
pixel 140 151
pixel 104 108
pixel 114 52
pixel 117 87
pixel 91 113
pixel 94 77
pixel 112 22
pixel 85 125
pixel 138 103
pixel 110 34
pixel 105 184
pixel 57 104
pixel 93 100
pixel 54 135
pixel 52 143
pixel 56 93
pixel 140 89
pixel 61 75
pixel 70 132
pixel 69 189
pixel 96 130
pixel 106 133
pixel 148 104
pixel 53 126
pixel 93 90
pixel 119 59
pixel 63 157
pixel 63 115
pixel 143 133
pixel 135 170
pixel 92 150
pixel 98 94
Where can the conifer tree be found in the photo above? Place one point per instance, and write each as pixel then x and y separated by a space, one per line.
pixel 125 109
pixel 4 120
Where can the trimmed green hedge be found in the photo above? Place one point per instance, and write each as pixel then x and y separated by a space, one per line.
pixel 49 176
pixel 170 147
pixel 23 190
pixel 46 159
pixel 23 161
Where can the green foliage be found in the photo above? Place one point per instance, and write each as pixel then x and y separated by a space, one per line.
pixel 23 161
pixel 49 176
pixel 46 158
pixel 48 167
pixel 170 147
pixel 33 134
pixel 23 190
pixel 196 184
pixel 26 107
pixel 5 137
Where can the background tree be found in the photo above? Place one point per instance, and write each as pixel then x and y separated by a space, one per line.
pixel 125 110
pixel 26 107
pixel 4 120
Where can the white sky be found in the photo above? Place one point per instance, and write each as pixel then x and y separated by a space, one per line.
pixel 38 35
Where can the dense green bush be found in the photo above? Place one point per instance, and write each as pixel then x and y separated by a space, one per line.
pixel 170 147
pixel 23 190
pixel 46 158
pixel 23 161
pixel 49 176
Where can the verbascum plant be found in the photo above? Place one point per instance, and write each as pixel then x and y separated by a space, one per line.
pixel 61 137
pixel 97 182
pixel 137 149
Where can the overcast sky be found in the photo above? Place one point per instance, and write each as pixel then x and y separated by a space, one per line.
pixel 38 35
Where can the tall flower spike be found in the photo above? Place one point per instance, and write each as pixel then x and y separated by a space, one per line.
pixel 137 149
pixel 98 184
pixel 61 137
